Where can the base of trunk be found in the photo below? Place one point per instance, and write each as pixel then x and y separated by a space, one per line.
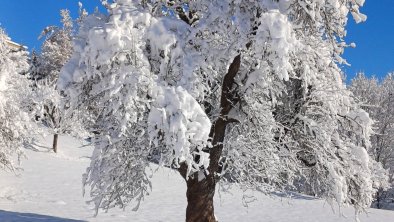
pixel 54 145
pixel 200 201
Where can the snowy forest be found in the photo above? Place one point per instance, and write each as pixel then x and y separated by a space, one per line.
pixel 160 110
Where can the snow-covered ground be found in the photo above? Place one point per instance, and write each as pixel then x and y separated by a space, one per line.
pixel 49 189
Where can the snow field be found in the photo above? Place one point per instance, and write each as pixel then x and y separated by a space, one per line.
pixel 49 189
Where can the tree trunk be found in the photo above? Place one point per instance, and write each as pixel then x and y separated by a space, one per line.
pixel 200 193
pixel 378 199
pixel 54 145
pixel 200 200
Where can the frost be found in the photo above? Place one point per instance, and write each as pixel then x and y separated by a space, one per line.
pixel 177 120
pixel 15 124
pixel 353 45
pixel 358 17
pixel 248 92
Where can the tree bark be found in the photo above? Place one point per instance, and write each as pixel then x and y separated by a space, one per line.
pixel 200 200
pixel 378 198
pixel 54 145
pixel 200 194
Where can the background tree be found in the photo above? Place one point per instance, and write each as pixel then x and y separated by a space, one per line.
pixel 377 98
pixel 14 120
pixel 45 68
pixel 241 91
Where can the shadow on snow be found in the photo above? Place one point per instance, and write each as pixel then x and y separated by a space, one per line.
pixel 293 195
pixel 9 216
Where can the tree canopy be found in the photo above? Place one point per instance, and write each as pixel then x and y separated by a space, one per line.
pixel 234 92
pixel 14 121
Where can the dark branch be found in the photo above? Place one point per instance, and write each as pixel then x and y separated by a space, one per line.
pixel 228 100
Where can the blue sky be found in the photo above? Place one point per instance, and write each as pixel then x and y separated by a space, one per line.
pixel 25 19
pixel 374 38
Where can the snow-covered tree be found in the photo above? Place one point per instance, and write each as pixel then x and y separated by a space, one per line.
pixel 14 90
pixel 377 98
pixel 56 50
pixel 241 92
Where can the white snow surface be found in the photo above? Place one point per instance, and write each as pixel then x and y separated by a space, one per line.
pixel 50 189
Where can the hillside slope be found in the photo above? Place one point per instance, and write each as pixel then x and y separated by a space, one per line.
pixel 49 189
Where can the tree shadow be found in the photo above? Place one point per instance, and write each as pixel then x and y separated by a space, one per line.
pixel 9 216
pixel 34 146
pixel 293 195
